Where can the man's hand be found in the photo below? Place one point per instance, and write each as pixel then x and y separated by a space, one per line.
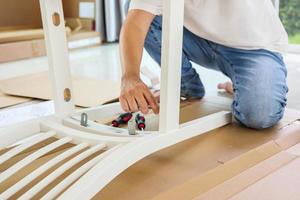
pixel 136 96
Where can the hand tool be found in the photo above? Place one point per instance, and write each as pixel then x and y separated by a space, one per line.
pixel 122 119
pixel 140 122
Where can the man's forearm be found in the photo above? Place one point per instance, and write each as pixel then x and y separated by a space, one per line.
pixel 132 39
pixel 131 50
pixel 135 95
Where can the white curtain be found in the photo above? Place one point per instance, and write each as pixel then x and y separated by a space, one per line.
pixel 110 15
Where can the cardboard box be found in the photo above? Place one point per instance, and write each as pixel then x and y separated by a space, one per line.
pixel 16 13
pixel 23 22
pixel 86 91
pixel 78 9
pixel 24 34
pixel 33 48
pixel 77 24
pixel 21 50
pixel 21 35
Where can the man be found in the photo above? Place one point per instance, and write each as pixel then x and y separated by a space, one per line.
pixel 242 39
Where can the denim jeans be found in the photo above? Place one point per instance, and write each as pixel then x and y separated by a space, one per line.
pixel 258 76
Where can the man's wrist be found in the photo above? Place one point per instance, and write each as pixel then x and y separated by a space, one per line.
pixel 130 77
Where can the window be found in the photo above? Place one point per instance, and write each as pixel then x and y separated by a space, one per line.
pixel 289 12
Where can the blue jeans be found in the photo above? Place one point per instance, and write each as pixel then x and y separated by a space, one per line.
pixel 258 76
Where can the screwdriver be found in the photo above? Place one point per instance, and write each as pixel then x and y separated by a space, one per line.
pixel 122 119
pixel 140 122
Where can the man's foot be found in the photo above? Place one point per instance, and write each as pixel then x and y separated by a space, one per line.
pixel 156 95
pixel 227 86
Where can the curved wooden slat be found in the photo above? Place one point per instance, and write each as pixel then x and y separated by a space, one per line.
pixel 30 177
pixel 21 164
pixel 75 175
pixel 31 142
pixel 59 171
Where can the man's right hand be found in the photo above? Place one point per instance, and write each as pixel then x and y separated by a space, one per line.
pixel 136 96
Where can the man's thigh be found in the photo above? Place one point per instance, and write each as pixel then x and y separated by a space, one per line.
pixel 199 50
pixel 195 49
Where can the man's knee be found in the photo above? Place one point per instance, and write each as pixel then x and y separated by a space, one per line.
pixel 258 115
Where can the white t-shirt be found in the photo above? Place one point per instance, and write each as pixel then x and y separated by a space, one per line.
pixel 244 24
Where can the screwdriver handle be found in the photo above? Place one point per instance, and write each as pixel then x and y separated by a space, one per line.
pixel 140 122
pixel 122 119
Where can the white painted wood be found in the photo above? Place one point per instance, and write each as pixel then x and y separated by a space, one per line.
pixel 18 149
pixel 101 112
pixel 171 64
pixel 33 175
pixel 76 174
pixel 57 51
pixel 95 127
pixel 108 168
pixel 13 134
pixel 59 171
pixel 32 157
pixel 80 136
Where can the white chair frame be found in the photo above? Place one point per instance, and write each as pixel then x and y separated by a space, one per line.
pixel 121 149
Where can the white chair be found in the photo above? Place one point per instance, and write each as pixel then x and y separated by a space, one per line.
pixel 113 150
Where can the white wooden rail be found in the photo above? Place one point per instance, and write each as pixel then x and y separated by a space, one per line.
pixel 58 57
pixel 171 64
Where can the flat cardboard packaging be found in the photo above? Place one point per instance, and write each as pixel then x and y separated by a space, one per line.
pixel 186 170
pixel 274 178
pixel 204 157
pixel 282 184
pixel 8 100
pixel 87 92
